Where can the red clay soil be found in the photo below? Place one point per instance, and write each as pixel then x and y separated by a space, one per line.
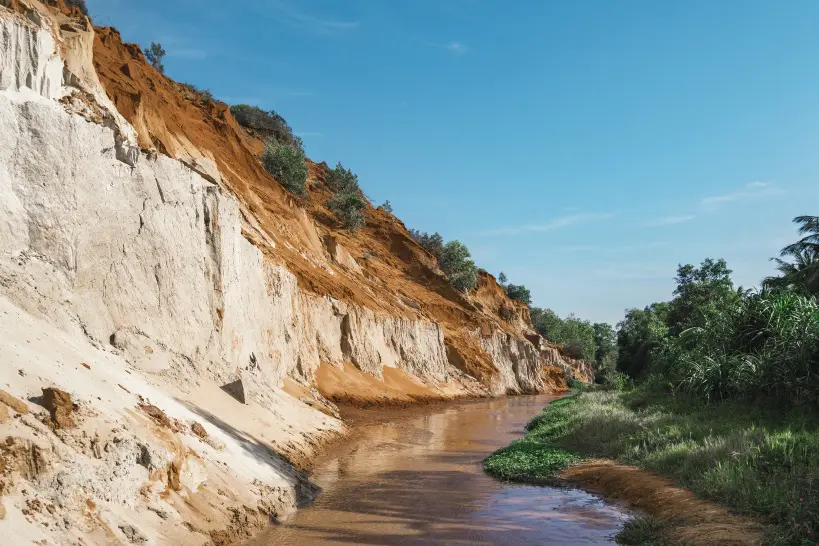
pixel 692 520
pixel 352 387
pixel 394 274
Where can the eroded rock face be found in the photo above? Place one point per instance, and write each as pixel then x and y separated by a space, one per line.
pixel 148 253
pixel 150 259
pixel 153 256
pixel 60 407
pixel 29 61
pixel 13 402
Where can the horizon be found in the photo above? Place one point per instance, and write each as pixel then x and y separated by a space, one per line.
pixel 666 133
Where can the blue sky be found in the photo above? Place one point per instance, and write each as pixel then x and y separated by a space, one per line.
pixel 585 148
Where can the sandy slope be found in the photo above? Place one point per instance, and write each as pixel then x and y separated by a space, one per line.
pixel 115 470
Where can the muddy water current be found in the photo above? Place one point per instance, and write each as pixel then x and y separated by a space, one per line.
pixel 417 479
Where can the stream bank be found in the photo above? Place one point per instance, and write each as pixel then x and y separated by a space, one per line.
pixel 659 454
pixel 417 478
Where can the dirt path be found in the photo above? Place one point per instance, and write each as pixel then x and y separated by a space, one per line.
pixel 692 519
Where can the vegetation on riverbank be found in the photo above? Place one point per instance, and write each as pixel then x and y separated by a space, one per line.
pixel 755 459
pixel 721 396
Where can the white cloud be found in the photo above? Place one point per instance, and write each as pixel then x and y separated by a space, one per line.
pixel 750 191
pixel 553 224
pixel 311 23
pixel 457 48
pixel 454 47
pixel 670 220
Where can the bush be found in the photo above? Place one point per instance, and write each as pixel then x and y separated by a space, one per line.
pixel 456 263
pixel 753 458
pixel 349 207
pixel 268 125
pixel 193 92
pixel 519 292
pixel 766 345
pixel 605 355
pixel 434 244
pixel 638 334
pixel 574 349
pixel 342 180
pixel 577 336
pixel 155 54
pixel 287 166
pixel 576 385
pixel 347 202
pixel 617 381
pixel 387 206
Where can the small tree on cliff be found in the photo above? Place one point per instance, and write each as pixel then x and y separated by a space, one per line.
pixel 266 124
pixel 456 262
pixel 519 292
pixel 286 164
pixel 347 202
pixel 433 244
pixel 155 54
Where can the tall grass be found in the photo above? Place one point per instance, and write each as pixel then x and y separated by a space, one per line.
pixel 760 460
pixel 766 345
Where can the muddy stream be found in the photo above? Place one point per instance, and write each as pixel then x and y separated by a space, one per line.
pixel 417 479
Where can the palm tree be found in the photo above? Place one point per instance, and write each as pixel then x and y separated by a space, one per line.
pixel 802 268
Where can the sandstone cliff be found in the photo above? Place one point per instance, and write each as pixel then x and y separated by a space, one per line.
pixel 147 259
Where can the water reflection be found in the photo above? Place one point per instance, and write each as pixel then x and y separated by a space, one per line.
pixel 419 480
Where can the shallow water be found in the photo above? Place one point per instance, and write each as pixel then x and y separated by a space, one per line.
pixel 418 479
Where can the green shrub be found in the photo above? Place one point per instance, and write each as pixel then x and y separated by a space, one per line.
pixel 576 385
pixel 456 263
pixel 349 207
pixel 348 203
pixel 618 381
pixel 287 166
pixel 387 206
pixel 767 344
pixel 155 54
pixel 268 125
pixel 755 458
pixel 193 92
pixel 643 531
pixel 638 334
pixel 342 180
pixel 434 244
pixel 576 335
pixel 519 292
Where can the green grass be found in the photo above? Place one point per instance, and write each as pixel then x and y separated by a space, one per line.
pixel 758 460
pixel 533 458
pixel 643 531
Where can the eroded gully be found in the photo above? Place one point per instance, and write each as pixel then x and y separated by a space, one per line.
pixel 417 479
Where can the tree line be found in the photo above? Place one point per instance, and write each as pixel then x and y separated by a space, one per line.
pixel 719 341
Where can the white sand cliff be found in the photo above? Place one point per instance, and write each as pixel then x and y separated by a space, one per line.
pixel 137 284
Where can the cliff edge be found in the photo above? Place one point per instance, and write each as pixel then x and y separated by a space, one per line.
pixel 175 328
